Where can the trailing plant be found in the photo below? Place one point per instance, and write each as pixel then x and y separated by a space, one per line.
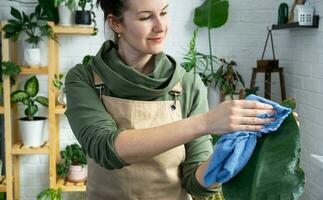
pixel 10 69
pixel 58 81
pixel 69 3
pixel 28 97
pixel 35 28
pixel 72 155
pixel 50 194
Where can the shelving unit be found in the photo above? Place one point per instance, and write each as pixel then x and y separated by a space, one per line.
pixel 13 146
pixel 316 20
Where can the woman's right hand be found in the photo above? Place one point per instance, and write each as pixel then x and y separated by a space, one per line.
pixel 237 115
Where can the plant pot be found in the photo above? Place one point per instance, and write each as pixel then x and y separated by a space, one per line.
pixel 32 131
pixel 66 17
pixel 213 95
pixel 32 56
pixel 61 99
pixel 83 17
pixel 77 173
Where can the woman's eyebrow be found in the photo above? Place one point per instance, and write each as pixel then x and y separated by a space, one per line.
pixel 147 11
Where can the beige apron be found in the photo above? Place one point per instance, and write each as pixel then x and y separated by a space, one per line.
pixel 156 178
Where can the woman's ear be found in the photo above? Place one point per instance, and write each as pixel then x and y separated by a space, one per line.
pixel 114 23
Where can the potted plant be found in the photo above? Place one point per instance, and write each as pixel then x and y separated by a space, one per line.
pixel 31 126
pixel 227 79
pixel 83 16
pixel 50 194
pixel 35 29
pixel 65 11
pixel 10 69
pixel 59 84
pixel 73 164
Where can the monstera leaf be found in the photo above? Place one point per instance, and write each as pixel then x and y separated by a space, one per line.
pixel 211 14
pixel 273 171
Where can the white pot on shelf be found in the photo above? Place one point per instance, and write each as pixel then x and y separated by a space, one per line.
pixel 61 98
pixel 32 131
pixel 66 16
pixel 32 56
pixel 77 173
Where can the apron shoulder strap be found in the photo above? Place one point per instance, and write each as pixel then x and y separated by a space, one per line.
pixel 98 83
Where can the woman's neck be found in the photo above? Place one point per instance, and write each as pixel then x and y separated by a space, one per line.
pixel 140 62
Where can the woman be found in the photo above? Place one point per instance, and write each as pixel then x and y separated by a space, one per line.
pixel 142 120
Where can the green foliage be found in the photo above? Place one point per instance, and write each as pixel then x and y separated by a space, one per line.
pixel 28 97
pixel 249 91
pixel 10 69
pixel 72 155
pixel 58 81
pixel 50 194
pixel 69 3
pixel 225 78
pixel 2 196
pixel 87 59
pixel 46 10
pixel 211 14
pixel 35 28
pixel 82 3
pixel 273 172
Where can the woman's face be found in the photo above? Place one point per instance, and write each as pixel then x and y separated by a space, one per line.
pixel 144 26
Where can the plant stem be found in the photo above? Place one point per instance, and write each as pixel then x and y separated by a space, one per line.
pixel 210 49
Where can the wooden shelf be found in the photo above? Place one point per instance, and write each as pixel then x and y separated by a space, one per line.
pixel 3 184
pixel 27 70
pixel 70 186
pixel 86 30
pixel 20 149
pixel 60 109
pixel 1 109
pixel 316 20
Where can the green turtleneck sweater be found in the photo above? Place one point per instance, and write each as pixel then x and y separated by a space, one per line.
pixel 96 130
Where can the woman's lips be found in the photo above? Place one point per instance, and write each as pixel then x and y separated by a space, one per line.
pixel 156 39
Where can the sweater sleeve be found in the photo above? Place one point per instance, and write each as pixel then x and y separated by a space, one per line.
pixel 91 124
pixel 200 149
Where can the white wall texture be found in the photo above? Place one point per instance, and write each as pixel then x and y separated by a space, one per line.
pixel 300 51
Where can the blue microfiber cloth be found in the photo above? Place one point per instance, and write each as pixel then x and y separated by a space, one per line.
pixel 233 150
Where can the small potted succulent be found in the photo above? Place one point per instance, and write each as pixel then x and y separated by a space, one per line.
pixel 31 127
pixel 73 164
pixel 35 29
pixel 65 11
pixel 50 194
pixel 59 84
pixel 83 16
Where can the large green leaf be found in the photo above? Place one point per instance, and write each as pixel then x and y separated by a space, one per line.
pixel 42 100
pixel 15 13
pixel 212 14
pixel 30 111
pixel 19 95
pixel 32 86
pixel 273 171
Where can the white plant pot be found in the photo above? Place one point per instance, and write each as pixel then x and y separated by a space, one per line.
pixel 62 98
pixel 213 96
pixel 66 16
pixel 32 56
pixel 77 173
pixel 32 132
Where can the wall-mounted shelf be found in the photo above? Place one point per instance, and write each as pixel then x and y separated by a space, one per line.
pixel 316 20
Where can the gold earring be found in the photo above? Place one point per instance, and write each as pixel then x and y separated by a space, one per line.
pixel 118 35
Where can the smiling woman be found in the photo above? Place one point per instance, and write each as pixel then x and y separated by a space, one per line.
pixel 143 122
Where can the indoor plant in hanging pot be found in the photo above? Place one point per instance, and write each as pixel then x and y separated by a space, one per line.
pixel 59 84
pixel 65 11
pixel 35 29
pixel 31 127
pixel 73 164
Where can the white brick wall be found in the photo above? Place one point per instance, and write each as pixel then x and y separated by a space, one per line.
pixel 241 39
